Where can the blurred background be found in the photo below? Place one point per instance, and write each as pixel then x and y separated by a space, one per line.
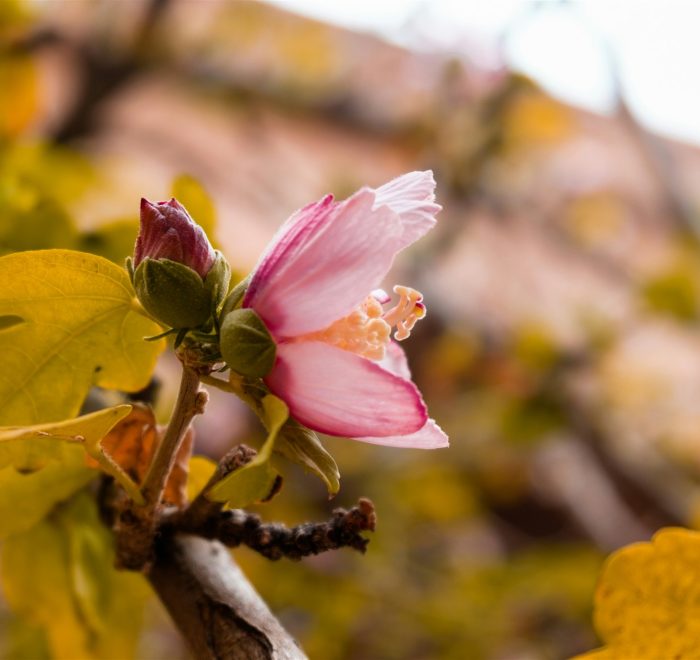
pixel 561 351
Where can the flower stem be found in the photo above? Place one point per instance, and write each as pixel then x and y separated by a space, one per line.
pixel 187 406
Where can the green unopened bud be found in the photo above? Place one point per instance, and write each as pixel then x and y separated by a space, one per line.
pixel 246 344
pixel 176 295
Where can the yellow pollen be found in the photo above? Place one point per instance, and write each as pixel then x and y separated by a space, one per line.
pixel 366 330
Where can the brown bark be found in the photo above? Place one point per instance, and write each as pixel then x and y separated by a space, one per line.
pixel 214 606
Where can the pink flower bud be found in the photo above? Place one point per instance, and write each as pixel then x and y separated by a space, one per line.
pixel 168 232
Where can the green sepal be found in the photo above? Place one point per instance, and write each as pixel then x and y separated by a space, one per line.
pixel 246 344
pixel 302 446
pixel 217 280
pixel 129 265
pixel 172 293
pixel 234 298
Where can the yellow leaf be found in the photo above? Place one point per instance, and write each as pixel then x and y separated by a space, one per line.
pixel 200 471
pixel 647 604
pixel 255 481
pixel 27 498
pixel 81 327
pixel 195 198
pixel 59 576
pixel 30 448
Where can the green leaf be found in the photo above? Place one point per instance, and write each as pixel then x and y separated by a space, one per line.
pixel 30 448
pixel 195 198
pixel 257 480
pixel 82 327
pixel 302 446
pixel 59 576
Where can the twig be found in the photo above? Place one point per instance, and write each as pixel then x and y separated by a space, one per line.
pixel 189 403
pixel 274 541
pixel 136 526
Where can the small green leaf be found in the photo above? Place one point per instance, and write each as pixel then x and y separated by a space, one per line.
pixel 257 480
pixel 302 446
pixel 82 327
pixel 194 197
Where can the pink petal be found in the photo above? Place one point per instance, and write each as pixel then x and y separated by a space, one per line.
pixel 339 393
pixel 412 196
pixel 299 227
pixel 431 436
pixel 395 361
pixel 324 263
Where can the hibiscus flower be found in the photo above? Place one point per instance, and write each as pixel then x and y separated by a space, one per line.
pixel 316 289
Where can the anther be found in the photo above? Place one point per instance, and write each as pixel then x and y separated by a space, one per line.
pixel 407 312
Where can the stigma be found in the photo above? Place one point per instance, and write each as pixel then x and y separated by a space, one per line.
pixel 366 331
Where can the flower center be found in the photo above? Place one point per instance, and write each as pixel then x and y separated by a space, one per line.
pixel 366 330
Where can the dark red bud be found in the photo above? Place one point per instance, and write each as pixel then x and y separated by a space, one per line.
pixel 168 232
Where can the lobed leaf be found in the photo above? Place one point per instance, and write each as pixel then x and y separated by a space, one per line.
pixel 81 327
pixel 54 454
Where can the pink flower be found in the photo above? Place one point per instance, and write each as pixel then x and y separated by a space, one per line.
pixel 315 288
pixel 168 232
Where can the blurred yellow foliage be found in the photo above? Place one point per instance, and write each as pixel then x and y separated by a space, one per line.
pixel 674 292
pixel 59 576
pixel 647 604
pixel 593 220
pixel 437 493
pixel 535 346
pixel 533 118
pixel 19 94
